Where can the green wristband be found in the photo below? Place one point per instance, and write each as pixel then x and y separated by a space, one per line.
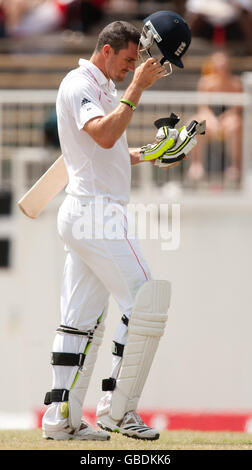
pixel 129 103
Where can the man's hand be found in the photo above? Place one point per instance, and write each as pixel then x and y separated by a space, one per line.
pixel 148 73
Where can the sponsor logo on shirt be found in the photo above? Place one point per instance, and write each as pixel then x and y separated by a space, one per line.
pixel 85 101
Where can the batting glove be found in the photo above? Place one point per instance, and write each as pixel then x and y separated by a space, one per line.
pixel 179 151
pixel 185 142
pixel 165 140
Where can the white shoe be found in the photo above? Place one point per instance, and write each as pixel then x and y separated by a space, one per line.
pixel 84 433
pixel 131 425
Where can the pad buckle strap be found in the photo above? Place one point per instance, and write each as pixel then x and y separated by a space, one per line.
pixel 75 331
pixel 125 320
pixel 56 395
pixel 67 359
pixel 117 349
pixel 108 385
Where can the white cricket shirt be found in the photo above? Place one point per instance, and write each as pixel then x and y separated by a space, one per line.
pixel 83 94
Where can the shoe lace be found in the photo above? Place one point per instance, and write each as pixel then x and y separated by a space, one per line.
pixel 83 425
pixel 132 416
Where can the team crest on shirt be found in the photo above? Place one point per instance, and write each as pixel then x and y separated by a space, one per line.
pixel 85 101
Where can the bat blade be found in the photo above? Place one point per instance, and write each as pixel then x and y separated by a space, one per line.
pixel 45 189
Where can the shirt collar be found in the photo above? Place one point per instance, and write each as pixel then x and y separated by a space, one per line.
pixel 97 74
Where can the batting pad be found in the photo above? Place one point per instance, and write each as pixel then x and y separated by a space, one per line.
pixel 146 325
pixel 80 384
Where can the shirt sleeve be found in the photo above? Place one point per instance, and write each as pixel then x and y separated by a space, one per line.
pixel 85 103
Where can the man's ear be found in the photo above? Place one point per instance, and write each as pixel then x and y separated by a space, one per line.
pixel 107 50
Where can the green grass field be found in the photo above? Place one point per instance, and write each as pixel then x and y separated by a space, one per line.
pixel 169 440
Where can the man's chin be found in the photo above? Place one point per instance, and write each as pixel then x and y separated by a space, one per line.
pixel 121 77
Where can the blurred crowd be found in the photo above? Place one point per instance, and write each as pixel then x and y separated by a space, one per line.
pixel 24 18
pixel 224 123
pixel 221 21
pixel 216 20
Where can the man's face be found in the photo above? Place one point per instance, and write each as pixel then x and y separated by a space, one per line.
pixel 118 65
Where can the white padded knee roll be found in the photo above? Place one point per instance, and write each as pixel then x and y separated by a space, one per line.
pixel 146 325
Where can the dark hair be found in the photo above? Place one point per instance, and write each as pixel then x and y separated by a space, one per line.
pixel 117 35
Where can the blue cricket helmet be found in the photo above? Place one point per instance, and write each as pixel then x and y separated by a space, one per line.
pixel 171 34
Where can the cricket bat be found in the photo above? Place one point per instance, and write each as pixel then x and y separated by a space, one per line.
pixel 45 189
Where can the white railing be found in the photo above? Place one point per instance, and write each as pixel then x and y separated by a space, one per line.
pixel 162 98
pixel 24 112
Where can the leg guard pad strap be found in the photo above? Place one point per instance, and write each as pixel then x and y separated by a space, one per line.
pixel 108 384
pixel 56 395
pixel 125 320
pixel 117 349
pixel 74 331
pixel 67 359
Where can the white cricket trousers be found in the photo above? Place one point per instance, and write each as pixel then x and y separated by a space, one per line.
pixel 101 259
